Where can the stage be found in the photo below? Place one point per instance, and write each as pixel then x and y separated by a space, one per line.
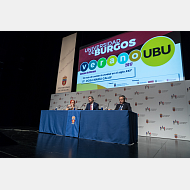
pixel 32 144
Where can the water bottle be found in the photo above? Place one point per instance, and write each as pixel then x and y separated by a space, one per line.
pixel 56 108
pixel 101 108
pixel 74 109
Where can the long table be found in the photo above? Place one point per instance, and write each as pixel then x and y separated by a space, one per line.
pixel 102 125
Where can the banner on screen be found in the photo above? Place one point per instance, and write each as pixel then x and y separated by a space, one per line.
pixel 131 58
pixel 65 71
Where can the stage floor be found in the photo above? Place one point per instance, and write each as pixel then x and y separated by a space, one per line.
pixel 32 144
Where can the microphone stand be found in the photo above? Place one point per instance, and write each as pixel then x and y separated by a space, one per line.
pixel 82 105
pixel 108 104
pixel 64 106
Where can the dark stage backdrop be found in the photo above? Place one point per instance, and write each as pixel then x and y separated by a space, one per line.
pixel 28 71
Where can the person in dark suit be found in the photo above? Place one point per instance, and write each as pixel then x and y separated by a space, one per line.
pixel 92 105
pixel 123 105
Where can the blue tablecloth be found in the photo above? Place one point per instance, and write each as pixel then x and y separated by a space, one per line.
pixel 53 121
pixel 72 127
pixel 109 126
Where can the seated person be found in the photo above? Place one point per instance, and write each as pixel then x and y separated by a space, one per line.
pixel 92 105
pixel 123 105
pixel 71 106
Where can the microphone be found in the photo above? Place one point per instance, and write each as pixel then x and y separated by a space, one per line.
pixel 65 106
pixel 109 103
pixel 82 105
